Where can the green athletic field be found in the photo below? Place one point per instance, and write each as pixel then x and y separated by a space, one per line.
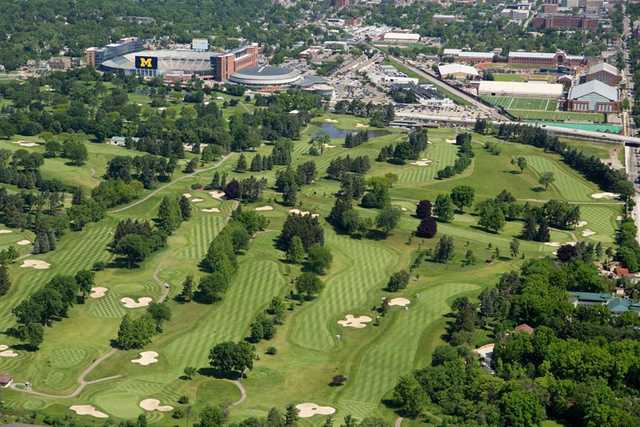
pixel 311 347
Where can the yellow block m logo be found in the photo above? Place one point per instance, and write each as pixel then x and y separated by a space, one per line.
pixel 146 62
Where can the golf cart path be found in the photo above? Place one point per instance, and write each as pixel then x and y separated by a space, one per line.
pixel 243 392
pixel 169 184
pixel 82 383
pixel 398 422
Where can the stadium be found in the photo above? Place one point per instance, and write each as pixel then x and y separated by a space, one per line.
pixel 265 77
pixel 127 56
pixel 160 62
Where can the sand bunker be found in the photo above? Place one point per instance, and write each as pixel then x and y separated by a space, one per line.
pixel 309 409
pixel 211 210
pixel 146 358
pixel 217 194
pixel 360 125
pixel 25 143
pixel 23 242
pixel 98 292
pixel 619 218
pixel 88 410
pixel 5 352
pixel 401 302
pixel 197 200
pixel 581 224
pixel 558 244
pixel 154 405
pixel 35 263
pixel 588 233
pixel 423 162
pixel 303 213
pixel 451 141
pixel 264 208
pixel 350 321
pixel 131 303
pixel 604 195
pixel 330 121
pixel 329 146
pixel 6 231
pixel 187 195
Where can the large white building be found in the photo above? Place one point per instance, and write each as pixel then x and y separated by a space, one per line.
pixel 532 89
pixel 401 37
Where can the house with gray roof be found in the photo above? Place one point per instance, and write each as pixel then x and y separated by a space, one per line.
pixel 593 97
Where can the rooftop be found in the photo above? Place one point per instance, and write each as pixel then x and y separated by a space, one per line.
pixel 594 86
pixel 603 66
pixel 449 69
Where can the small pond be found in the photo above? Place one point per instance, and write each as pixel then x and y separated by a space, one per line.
pixel 337 133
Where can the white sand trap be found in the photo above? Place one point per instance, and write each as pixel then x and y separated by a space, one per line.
pixel 588 233
pixel 423 162
pixel 6 231
pixel 154 405
pixel 451 141
pixel 23 242
pixel 558 244
pixel 187 195
pixel 5 352
pixel 217 194
pixel 329 146
pixel 330 121
pixel 35 263
pixel 619 218
pixel 360 125
pixel 197 200
pixel 604 195
pixel 131 303
pixel 401 302
pixel 25 143
pixel 264 208
pixel 403 209
pixel 88 410
pixel 146 358
pixel 351 321
pixel 581 224
pixel 308 409
pixel 211 210
pixel 303 213
pixel 98 292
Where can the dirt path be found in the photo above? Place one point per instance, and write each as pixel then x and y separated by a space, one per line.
pixel 166 287
pixel 398 422
pixel 82 383
pixel 169 184
pixel 243 392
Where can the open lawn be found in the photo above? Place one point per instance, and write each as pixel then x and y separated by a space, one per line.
pixel 311 346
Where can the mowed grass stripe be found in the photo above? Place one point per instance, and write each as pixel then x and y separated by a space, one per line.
pixel 256 282
pixel 601 219
pixel 442 154
pixel 367 270
pixel 393 355
pixel 569 185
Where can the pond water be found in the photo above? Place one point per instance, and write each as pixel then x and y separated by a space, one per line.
pixel 337 133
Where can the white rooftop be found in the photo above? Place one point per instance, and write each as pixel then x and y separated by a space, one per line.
pixel 542 89
pixel 448 69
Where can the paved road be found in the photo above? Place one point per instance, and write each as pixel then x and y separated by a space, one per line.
pixel 169 184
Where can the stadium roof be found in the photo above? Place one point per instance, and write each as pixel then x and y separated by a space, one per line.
pixel 594 86
pixel 450 51
pixel 603 66
pixel 265 76
pixel 543 89
pixel 448 69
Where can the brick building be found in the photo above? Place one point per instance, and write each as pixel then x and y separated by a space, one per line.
pixel 564 22
pixel 545 59
pixel 606 73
